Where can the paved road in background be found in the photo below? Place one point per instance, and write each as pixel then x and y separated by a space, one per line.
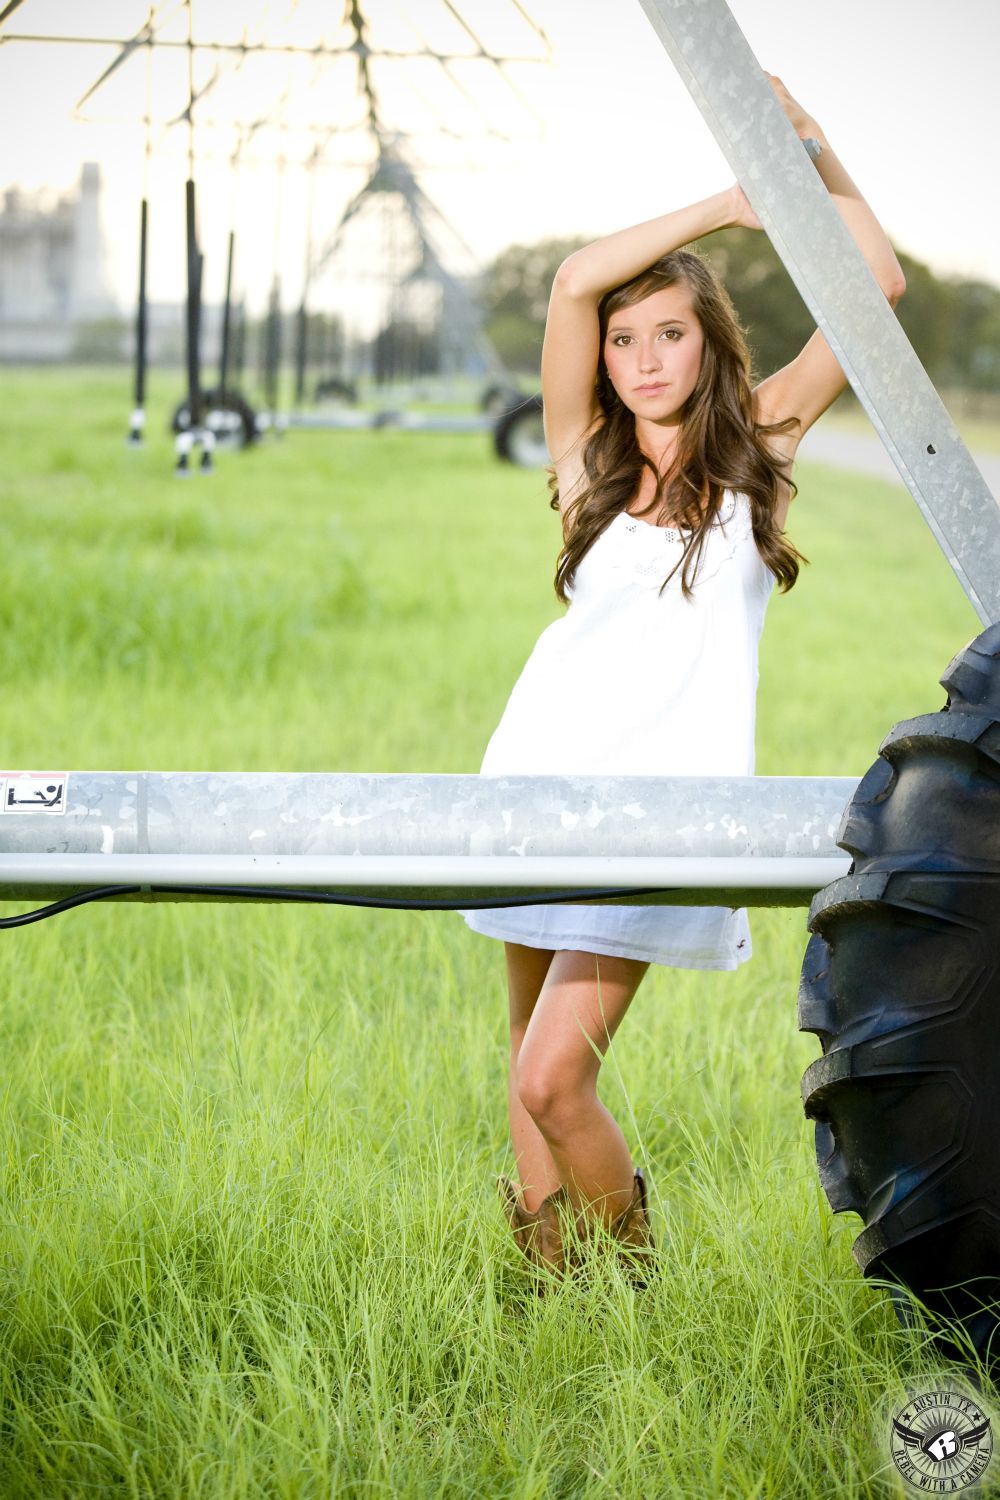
pixel 864 453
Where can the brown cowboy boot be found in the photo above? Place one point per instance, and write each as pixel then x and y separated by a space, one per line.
pixel 548 1241
pixel 634 1235
pixel 538 1233
pixel 630 1232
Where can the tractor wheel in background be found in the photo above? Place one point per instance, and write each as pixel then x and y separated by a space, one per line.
pixel 901 983
pixel 519 436
pixel 498 398
pixel 335 389
pixel 226 414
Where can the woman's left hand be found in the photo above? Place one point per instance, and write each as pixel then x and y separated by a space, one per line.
pixel 804 123
pixel 741 215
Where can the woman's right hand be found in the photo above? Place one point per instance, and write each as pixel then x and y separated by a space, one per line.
pixel 801 119
pixel 741 215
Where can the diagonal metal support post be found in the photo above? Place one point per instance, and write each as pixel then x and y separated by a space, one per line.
pixel 728 85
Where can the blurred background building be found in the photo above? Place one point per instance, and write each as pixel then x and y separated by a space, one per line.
pixel 53 278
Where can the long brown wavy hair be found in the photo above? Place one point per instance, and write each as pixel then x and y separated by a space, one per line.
pixel 720 445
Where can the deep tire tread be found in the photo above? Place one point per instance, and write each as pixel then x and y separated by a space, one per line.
pixel 901 984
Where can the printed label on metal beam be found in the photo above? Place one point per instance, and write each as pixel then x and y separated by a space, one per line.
pixel 34 791
pixel 786 192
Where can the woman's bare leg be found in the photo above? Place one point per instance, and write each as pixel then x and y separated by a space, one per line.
pixel 583 999
pixel 538 1174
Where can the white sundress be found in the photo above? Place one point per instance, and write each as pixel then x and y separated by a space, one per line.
pixel 632 682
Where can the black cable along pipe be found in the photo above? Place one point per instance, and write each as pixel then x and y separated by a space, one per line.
pixel 313 898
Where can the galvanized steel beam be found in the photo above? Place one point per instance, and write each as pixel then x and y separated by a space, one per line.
pixel 728 85
pixel 751 840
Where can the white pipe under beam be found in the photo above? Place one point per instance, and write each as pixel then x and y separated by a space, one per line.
pixel 688 877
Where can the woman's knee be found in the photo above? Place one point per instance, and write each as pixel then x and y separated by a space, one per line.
pixel 558 1054
pixel 550 1091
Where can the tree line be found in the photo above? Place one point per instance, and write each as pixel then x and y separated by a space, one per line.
pixel 953 323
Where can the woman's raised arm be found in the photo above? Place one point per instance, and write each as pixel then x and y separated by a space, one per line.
pixel 806 387
pixel 869 236
pixel 570 348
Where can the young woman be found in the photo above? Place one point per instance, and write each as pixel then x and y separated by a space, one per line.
pixel 672 477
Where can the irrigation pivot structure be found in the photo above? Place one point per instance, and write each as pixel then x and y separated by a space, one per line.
pixel 305 35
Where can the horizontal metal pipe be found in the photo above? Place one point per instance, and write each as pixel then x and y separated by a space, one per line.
pixel 348 421
pixel 458 834
pixel 694 879
pixel 233 812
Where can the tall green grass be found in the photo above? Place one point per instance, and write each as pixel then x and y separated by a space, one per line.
pixel 251 1244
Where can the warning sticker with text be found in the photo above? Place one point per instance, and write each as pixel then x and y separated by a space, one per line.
pixel 34 791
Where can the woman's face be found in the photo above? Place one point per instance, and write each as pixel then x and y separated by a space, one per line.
pixel 653 354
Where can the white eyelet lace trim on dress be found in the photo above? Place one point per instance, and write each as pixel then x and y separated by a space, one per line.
pixel 649 552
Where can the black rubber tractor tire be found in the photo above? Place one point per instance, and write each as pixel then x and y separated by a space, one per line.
pixel 901 983
pixel 226 414
pixel 498 398
pixel 519 437
pixel 334 389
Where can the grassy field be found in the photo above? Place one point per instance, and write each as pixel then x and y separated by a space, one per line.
pixel 251 1243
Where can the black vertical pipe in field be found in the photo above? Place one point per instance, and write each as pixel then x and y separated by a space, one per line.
pixel 193 308
pixel 237 356
pixel 264 354
pixel 200 270
pixel 140 315
pixel 262 339
pixel 273 349
pixel 301 351
pixel 226 311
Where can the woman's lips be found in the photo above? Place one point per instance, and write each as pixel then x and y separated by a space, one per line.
pixel 650 390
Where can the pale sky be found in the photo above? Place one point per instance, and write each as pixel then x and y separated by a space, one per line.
pixel 606 135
